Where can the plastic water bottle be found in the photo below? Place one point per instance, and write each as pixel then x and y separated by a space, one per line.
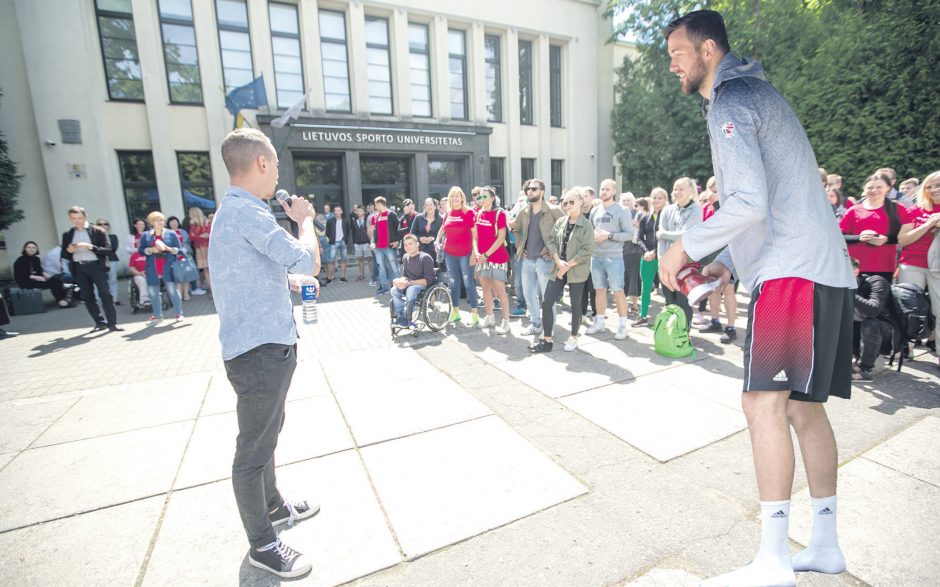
pixel 309 289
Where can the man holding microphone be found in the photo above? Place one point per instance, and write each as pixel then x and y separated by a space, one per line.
pixel 250 256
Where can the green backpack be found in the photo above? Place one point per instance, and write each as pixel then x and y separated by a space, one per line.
pixel 671 333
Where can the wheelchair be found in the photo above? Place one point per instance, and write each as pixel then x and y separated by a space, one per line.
pixel 137 306
pixel 431 310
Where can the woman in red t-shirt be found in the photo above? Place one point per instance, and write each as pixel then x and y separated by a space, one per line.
pixel 871 232
pixel 920 230
pixel 457 234
pixel 199 228
pixel 489 248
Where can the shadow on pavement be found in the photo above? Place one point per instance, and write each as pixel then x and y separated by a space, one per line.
pixel 60 344
pixel 147 332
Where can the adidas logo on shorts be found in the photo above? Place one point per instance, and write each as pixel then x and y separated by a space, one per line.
pixel 781 376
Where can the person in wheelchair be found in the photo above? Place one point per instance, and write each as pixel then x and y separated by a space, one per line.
pixel 418 275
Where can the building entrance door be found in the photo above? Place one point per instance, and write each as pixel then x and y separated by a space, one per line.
pixel 386 176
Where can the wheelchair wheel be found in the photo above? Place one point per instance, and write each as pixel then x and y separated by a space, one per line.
pixel 436 307
pixel 134 298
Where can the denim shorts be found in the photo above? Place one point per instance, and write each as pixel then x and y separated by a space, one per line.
pixel 607 272
pixel 326 251
pixel 338 252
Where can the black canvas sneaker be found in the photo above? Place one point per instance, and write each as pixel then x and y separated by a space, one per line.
pixel 280 559
pixel 292 512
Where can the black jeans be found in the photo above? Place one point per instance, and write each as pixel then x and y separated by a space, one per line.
pixel 591 298
pixel 678 298
pixel 260 378
pixel 553 293
pixel 88 274
pixel 54 284
pixel 873 333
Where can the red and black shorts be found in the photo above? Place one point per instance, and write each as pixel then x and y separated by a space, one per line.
pixel 799 339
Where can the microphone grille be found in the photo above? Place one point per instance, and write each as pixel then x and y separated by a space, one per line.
pixel 282 195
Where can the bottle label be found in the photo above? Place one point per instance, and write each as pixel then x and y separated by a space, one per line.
pixel 308 293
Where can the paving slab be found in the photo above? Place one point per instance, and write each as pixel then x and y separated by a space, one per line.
pixel 150 403
pixel 426 400
pixel 883 515
pixel 349 538
pixel 667 578
pixel 308 381
pixel 25 420
pixel 913 451
pixel 50 482
pixel 558 373
pixel 312 427
pixel 447 485
pixel 636 357
pixel 104 547
pixel 351 370
pixel 658 419
pixel 6 458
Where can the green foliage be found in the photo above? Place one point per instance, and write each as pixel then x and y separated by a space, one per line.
pixel 860 75
pixel 10 183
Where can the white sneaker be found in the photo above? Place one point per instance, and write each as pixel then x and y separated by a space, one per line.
pixel 571 345
pixel 621 331
pixel 503 327
pixel 597 326
pixel 489 322
pixel 698 320
pixel 198 292
pixel 532 329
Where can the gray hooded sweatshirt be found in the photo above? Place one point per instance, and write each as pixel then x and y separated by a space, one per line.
pixel 774 217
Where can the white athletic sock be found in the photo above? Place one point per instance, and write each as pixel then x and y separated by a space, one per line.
pixel 623 320
pixel 772 565
pixel 823 554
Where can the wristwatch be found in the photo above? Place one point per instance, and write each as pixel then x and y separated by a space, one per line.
pixel 610 236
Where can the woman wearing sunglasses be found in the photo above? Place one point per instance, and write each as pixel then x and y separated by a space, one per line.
pixel 489 246
pixel 571 245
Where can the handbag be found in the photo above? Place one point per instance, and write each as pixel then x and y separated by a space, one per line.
pixel 184 270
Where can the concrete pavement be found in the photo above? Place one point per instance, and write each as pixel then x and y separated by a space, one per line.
pixel 452 459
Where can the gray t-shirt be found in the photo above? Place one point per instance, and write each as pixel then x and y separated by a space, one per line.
pixel 534 243
pixel 82 253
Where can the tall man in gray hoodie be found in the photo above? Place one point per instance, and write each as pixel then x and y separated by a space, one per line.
pixel 785 249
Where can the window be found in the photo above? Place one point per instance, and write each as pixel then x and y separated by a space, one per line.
pixel 419 56
pixel 119 50
pixel 554 77
pixel 457 64
pixel 557 165
pixel 444 173
pixel 528 169
pixel 235 41
pixel 494 99
pixel 498 180
pixel 335 62
pixel 140 183
pixel 179 51
pixel 196 181
pixel 378 71
pixel 285 43
pixel 386 176
pixel 525 82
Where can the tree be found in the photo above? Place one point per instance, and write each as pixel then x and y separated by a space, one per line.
pixel 10 183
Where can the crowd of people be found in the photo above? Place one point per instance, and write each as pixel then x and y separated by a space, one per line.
pixel 165 257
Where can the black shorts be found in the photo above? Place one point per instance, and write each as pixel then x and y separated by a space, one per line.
pixel 799 339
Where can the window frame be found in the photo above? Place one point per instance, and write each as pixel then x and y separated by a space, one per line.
pixel 556 115
pixel 495 63
pixel 560 164
pixel 184 184
pixel 345 43
pixel 463 60
pixel 124 184
pixel 522 165
pixel 501 183
pixel 166 69
pixel 99 13
pixel 388 54
pixel 527 72
pixel 427 58
pixel 219 27
pixel 300 51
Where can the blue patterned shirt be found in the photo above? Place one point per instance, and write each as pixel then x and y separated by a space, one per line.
pixel 250 255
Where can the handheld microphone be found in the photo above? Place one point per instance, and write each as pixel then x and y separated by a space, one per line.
pixel 282 196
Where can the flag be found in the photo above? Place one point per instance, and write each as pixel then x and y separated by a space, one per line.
pixel 291 114
pixel 250 95
pixel 239 120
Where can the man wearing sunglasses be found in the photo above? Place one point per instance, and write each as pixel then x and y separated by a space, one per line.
pixel 531 230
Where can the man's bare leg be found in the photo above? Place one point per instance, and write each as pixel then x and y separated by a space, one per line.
pixel 772 447
pixel 821 459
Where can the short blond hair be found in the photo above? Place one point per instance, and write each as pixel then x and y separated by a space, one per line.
pixel 242 147
pixel 155 215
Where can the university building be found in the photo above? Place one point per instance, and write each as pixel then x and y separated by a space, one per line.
pixel 119 105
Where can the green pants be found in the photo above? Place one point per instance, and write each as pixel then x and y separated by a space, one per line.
pixel 648 270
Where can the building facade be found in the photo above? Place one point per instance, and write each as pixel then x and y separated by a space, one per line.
pixel 119 105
